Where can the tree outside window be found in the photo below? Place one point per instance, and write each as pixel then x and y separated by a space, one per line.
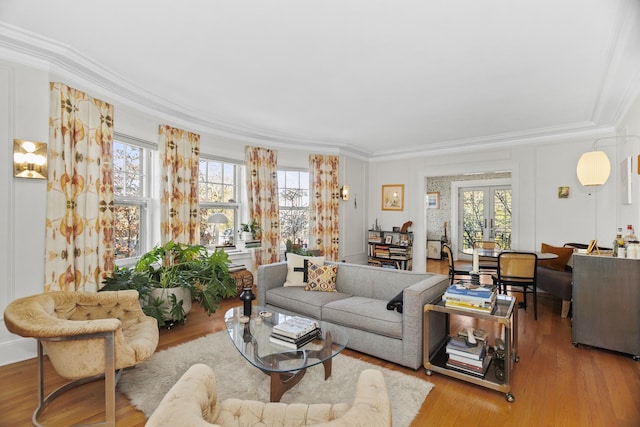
pixel 130 172
pixel 293 200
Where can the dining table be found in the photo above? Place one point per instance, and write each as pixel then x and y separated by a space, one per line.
pixel 494 253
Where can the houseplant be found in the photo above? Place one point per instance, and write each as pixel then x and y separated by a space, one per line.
pixel 251 230
pixel 169 277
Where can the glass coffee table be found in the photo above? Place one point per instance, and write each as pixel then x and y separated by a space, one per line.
pixel 285 366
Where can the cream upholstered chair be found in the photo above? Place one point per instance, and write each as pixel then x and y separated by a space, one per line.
pixel 193 402
pixel 86 335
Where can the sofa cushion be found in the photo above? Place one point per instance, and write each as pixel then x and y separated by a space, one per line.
pixel 297 300
pixel 364 313
pixel 297 268
pixel 559 263
pixel 321 278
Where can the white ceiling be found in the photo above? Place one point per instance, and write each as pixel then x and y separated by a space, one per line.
pixel 367 77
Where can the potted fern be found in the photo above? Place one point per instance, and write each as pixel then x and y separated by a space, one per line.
pixel 169 277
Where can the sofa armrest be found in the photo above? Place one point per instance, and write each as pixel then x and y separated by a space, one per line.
pixel 415 297
pixel 270 276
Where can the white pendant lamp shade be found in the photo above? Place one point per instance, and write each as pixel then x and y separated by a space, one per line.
pixel 593 168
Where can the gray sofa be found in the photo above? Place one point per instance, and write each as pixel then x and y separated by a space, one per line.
pixel 360 305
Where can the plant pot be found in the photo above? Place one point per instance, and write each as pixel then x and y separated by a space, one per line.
pixel 247 235
pixel 181 294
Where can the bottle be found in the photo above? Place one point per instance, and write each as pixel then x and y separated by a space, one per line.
pixel 616 242
pixel 630 236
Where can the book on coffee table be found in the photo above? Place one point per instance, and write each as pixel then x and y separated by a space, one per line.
pixel 295 343
pixel 295 327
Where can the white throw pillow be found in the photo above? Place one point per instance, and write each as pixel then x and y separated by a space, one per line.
pixel 296 268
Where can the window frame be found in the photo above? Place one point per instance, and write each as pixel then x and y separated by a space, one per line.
pixel 235 205
pixel 145 202
pixel 282 207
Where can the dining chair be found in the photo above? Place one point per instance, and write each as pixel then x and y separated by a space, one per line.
pixel 486 262
pixel 518 270
pixel 461 270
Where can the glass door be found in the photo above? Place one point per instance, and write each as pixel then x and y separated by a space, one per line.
pixel 484 215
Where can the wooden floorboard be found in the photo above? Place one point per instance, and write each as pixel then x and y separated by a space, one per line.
pixel 555 383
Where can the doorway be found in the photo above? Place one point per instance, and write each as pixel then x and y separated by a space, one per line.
pixel 484 214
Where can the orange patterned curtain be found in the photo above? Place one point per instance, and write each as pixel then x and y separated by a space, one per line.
pixel 262 185
pixel 79 228
pixel 324 205
pixel 179 154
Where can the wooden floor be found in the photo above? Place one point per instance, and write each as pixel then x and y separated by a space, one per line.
pixel 554 383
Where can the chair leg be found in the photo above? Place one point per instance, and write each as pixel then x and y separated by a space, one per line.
pixel 110 380
pixel 109 376
pixel 566 306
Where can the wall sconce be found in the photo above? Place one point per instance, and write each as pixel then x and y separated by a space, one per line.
pixel 593 167
pixel 29 159
pixel 344 192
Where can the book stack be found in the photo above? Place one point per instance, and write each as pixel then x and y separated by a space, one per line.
pixel 471 297
pixel 295 332
pixel 470 359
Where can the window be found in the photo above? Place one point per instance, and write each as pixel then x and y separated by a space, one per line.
pixel 293 200
pixel 131 167
pixel 218 193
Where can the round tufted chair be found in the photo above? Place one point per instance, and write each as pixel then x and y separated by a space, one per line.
pixel 86 335
pixel 193 402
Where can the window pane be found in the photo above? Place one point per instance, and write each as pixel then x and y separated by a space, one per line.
pixel 129 174
pixel 216 187
pixel 212 234
pixel 214 172
pixel 293 194
pixel 127 231
pixel 293 179
pixel 229 174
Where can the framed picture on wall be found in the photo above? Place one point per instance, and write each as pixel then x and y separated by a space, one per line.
pixel 433 200
pixel 393 197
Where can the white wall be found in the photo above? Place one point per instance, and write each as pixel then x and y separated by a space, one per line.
pixel 24 113
pixel 353 213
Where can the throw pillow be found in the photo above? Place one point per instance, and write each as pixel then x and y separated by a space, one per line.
pixel 396 303
pixel 297 269
pixel 322 278
pixel 559 263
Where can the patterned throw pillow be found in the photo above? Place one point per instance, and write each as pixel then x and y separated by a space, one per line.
pixel 322 278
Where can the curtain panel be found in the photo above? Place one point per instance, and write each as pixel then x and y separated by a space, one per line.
pixel 324 208
pixel 262 185
pixel 80 211
pixel 179 154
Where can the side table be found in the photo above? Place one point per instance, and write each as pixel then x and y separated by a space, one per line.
pixel 505 314
pixel 243 279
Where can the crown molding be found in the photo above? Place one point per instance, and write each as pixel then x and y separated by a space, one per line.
pixel 31 49
pixel 613 100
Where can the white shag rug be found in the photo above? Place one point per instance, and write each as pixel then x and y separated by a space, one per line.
pixel 147 384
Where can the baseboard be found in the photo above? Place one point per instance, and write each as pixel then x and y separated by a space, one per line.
pixel 17 350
